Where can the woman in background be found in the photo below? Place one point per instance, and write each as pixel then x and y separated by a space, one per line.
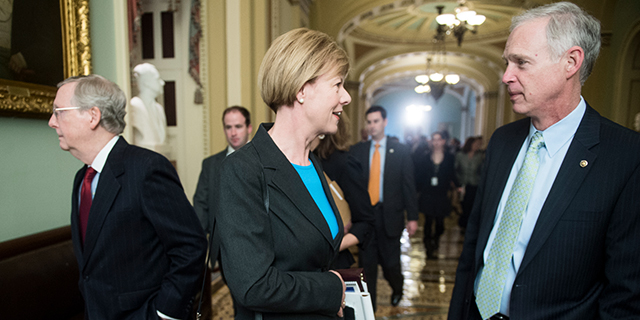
pixel 468 166
pixel 434 178
pixel 278 226
pixel 346 171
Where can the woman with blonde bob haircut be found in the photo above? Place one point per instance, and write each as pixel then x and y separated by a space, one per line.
pixel 278 225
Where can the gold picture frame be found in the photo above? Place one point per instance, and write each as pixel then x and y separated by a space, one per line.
pixel 23 99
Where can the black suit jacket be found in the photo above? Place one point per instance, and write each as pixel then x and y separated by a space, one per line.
pixel 399 186
pixel 346 171
pixel 275 262
pixel 144 248
pixel 582 259
pixel 433 200
pixel 203 199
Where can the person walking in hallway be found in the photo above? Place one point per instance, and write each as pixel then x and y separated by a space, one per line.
pixel 139 246
pixel 278 225
pixel 236 122
pixel 435 177
pixel 468 167
pixel 391 183
pixel 555 229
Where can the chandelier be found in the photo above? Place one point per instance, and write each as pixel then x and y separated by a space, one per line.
pixel 464 19
pixel 438 72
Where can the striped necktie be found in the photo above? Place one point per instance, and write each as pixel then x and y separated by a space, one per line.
pixel 86 198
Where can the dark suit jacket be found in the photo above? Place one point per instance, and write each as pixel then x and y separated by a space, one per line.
pixel 275 262
pixel 144 248
pixel 582 259
pixel 399 186
pixel 203 199
pixel 346 171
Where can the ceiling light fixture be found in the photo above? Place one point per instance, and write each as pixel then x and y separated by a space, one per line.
pixel 464 19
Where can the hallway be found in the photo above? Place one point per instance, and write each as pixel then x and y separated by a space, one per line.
pixel 428 283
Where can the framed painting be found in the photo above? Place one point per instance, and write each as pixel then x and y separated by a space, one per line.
pixel 38 49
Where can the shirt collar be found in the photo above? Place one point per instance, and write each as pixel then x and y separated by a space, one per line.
pixel 230 150
pixel 562 131
pixel 382 143
pixel 101 158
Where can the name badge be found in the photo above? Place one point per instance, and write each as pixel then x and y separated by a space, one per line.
pixel 434 181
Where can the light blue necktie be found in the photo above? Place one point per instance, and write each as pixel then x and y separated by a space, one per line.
pixel 494 274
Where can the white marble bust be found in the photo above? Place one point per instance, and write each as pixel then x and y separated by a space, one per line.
pixel 148 117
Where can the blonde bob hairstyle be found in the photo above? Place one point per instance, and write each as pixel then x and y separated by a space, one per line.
pixel 294 59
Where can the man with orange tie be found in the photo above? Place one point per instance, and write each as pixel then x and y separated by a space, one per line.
pixel 387 165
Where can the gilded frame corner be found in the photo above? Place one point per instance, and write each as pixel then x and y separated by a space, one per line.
pixel 30 100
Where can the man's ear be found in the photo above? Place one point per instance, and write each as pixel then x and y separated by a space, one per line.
pixel 250 129
pixel 95 115
pixel 574 58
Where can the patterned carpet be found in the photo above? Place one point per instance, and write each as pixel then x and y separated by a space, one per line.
pixel 427 288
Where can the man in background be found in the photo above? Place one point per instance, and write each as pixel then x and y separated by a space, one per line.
pixel 555 229
pixel 139 247
pixel 388 166
pixel 236 121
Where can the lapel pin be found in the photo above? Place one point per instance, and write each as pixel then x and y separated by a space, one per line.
pixel 584 163
pixel 390 150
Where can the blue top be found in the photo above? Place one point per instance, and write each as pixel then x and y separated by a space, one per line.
pixel 311 180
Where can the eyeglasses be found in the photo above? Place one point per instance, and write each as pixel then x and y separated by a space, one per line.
pixel 55 110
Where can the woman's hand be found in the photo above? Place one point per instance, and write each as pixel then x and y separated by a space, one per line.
pixel 348 240
pixel 344 288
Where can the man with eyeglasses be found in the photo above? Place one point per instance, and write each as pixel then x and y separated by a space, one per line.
pixel 137 240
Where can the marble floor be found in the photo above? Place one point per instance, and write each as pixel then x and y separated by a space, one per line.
pixel 428 283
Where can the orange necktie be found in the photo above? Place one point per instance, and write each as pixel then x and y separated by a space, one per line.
pixel 374 177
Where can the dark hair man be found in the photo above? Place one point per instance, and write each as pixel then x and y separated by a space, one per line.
pixel 388 167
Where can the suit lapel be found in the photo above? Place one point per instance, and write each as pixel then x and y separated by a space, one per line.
pixel 281 175
pixel 389 161
pixel 364 159
pixel 567 182
pixel 106 192
pixel 504 155
pixel 75 216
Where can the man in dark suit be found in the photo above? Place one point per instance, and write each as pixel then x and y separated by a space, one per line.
pixel 139 246
pixel 392 191
pixel 555 228
pixel 236 121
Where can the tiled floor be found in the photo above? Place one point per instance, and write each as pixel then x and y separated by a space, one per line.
pixel 427 287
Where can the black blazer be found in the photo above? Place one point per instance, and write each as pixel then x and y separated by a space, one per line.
pixel 345 170
pixel 144 248
pixel 275 262
pixel 433 200
pixel 399 185
pixel 582 259
pixel 203 199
